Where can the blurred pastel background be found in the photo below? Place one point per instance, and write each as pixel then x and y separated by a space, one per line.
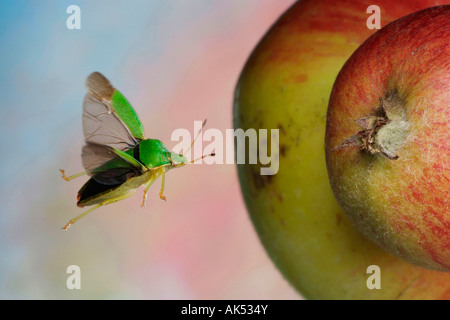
pixel 176 61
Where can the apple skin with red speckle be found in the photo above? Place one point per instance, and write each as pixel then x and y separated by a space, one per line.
pixel 390 169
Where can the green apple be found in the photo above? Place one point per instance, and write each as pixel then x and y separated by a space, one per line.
pixel 390 169
pixel 286 85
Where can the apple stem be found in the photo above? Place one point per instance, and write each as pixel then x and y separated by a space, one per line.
pixel 384 133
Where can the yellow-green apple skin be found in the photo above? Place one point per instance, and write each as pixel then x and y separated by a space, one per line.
pixel 286 85
pixel 397 192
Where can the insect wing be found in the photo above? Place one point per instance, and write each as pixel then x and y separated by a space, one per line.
pixel 102 126
pixel 103 103
pixel 109 122
pixel 115 176
pixel 127 114
pixel 94 156
pixel 104 166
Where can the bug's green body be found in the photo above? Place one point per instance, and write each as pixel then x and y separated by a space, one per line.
pixel 93 192
pixel 117 155
pixel 150 152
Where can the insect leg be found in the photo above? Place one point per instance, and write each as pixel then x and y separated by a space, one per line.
pixel 81 216
pixel 72 176
pixel 161 192
pixel 147 187
pixel 103 203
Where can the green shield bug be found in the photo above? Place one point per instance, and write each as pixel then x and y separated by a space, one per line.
pixel 117 156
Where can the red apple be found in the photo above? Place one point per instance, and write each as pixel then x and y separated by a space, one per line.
pixel 286 84
pixel 390 169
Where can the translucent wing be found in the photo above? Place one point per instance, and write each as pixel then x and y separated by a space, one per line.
pixel 105 166
pixel 101 125
pixel 94 155
pixel 108 117
pixel 109 121
pixel 115 176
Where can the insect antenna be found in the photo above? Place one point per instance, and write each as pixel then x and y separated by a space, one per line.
pixel 212 154
pixel 193 141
